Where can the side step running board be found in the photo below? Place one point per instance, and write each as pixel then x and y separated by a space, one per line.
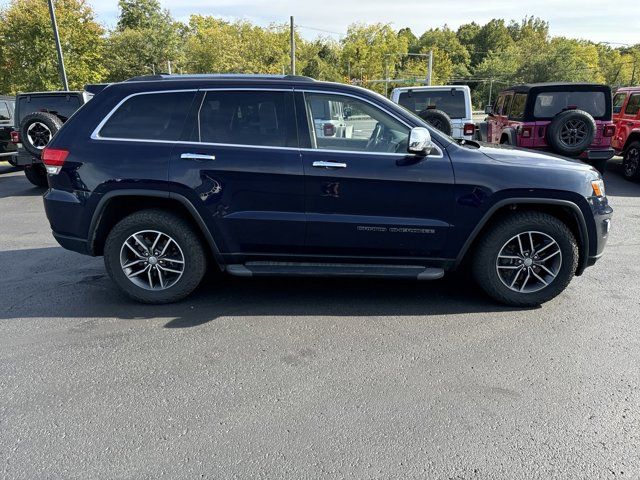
pixel 268 269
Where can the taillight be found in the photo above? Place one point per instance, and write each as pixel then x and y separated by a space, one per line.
pixel 609 130
pixel 469 129
pixel 15 137
pixel 53 159
pixel 526 132
pixel 329 129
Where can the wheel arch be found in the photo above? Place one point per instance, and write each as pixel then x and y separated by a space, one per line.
pixel 565 210
pixel 634 136
pixel 510 135
pixel 116 205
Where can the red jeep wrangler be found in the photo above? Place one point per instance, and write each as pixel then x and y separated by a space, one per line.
pixel 569 119
pixel 626 142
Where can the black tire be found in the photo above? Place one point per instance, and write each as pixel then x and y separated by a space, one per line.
pixel 36 131
pixel 485 259
pixel 481 132
pixel 631 162
pixel 571 132
pixel 438 119
pixel 189 244
pixel 37 175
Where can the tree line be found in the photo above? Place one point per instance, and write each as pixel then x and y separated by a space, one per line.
pixel 147 39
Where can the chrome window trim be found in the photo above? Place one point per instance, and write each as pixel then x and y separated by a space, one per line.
pixel 95 135
pixel 406 124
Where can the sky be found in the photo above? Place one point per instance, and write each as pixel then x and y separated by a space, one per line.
pixel 596 20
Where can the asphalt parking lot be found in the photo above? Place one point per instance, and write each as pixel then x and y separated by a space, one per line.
pixel 297 378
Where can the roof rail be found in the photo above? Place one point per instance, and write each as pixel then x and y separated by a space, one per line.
pixel 218 76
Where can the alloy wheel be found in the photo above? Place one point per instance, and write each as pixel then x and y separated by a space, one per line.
pixel 152 260
pixel 39 135
pixel 632 162
pixel 573 132
pixel 529 262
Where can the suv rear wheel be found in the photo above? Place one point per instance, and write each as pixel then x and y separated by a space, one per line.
pixel 37 129
pixel 571 132
pixel 526 259
pixel 631 162
pixel 155 256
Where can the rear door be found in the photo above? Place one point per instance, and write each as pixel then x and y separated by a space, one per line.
pixel 6 125
pixel 240 166
pixel 629 120
pixel 365 196
pixel 620 137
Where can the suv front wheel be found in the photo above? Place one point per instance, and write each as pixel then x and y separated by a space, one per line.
pixel 526 259
pixel 155 256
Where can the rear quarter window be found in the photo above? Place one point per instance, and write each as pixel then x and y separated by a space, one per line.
pixel 150 116
pixel 618 101
pixel 5 114
pixel 518 106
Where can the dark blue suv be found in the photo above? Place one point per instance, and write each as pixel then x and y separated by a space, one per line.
pixel 280 175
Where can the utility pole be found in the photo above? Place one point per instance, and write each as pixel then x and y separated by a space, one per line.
pixel 61 70
pixel 430 71
pixel 386 77
pixel 293 46
pixel 169 66
pixel 490 90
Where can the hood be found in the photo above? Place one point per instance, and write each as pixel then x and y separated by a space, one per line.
pixel 534 158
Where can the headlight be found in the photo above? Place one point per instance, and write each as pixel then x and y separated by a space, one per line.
pixel 598 188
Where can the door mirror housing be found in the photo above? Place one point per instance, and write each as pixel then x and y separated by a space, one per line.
pixel 420 141
pixel 488 110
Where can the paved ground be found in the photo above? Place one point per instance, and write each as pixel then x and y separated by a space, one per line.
pixel 313 378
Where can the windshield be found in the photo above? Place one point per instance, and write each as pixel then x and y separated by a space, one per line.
pixel 549 104
pixel 449 101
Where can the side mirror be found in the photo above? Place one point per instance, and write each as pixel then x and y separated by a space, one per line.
pixel 488 110
pixel 420 141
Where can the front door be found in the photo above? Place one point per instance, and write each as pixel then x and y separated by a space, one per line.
pixel 242 166
pixel 365 196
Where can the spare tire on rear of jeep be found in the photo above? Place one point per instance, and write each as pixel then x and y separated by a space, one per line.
pixel 37 129
pixel 571 132
pixel 438 119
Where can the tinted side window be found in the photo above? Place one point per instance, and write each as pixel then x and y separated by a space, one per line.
pixel 517 106
pixel 507 105
pixel 260 118
pixel 4 112
pixel 154 116
pixel 618 101
pixel 497 108
pixel 633 106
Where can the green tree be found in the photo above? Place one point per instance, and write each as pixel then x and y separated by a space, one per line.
pixel 372 51
pixel 145 40
pixel 28 61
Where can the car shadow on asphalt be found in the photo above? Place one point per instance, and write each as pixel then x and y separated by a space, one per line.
pixel 17 185
pixel 616 184
pixel 54 283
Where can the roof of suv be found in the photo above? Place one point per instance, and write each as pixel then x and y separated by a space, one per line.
pixel 526 87
pixel 219 76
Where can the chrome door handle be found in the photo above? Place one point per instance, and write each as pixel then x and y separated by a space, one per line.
pixel 197 156
pixel 329 165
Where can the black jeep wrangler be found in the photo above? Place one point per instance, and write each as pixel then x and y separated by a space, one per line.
pixel 7 148
pixel 38 117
